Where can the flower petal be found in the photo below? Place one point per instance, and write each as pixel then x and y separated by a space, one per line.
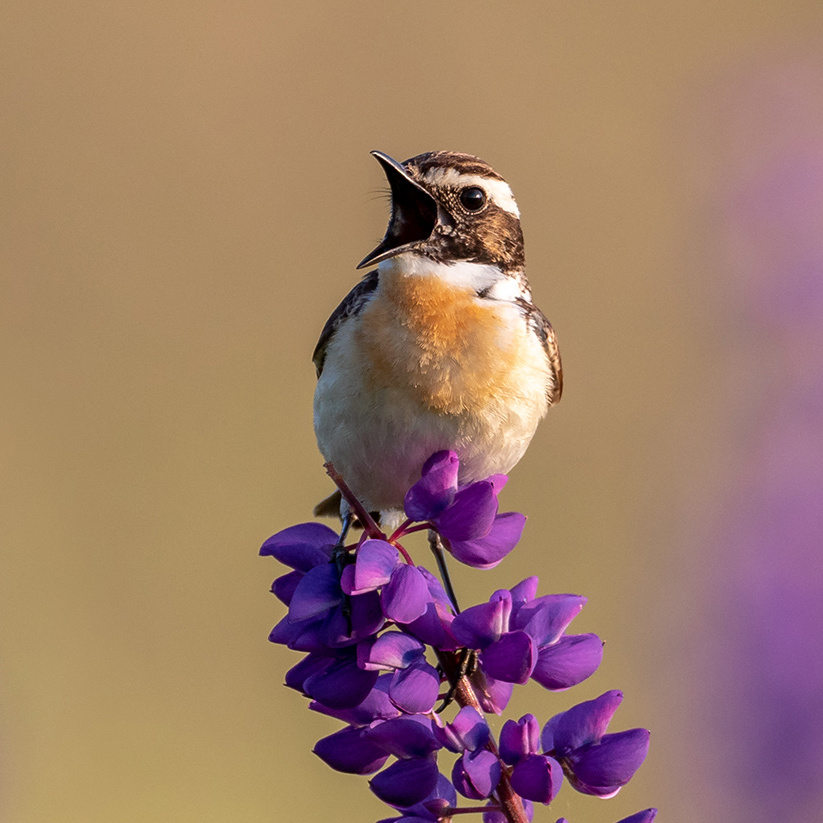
pixel 366 615
pixel 376 560
pixel 432 808
pixel 524 591
pixel 479 626
pixel 487 551
pixel 511 658
pixel 436 589
pixel 433 627
pixel 406 596
pixel 581 725
pixel 305 636
pixel 364 618
pixel 605 767
pixel 471 514
pixel 498 481
pixel 318 592
pixel 519 739
pixel 493 695
pixel 436 488
pixel 476 774
pixel 376 706
pixel 406 782
pixel 423 817
pixel 646 816
pixel 568 662
pixel 547 617
pixel 467 732
pixel 341 686
pixel 351 751
pixel 442 797
pixel 405 737
pixel 283 588
pixel 392 650
pixel 537 778
pixel 302 547
pixel 414 689
pixel 309 665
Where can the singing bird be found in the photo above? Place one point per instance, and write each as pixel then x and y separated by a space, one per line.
pixel 440 346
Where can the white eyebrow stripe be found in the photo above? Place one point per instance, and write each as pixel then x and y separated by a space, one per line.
pixel 498 191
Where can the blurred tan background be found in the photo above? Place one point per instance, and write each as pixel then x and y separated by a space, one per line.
pixel 185 190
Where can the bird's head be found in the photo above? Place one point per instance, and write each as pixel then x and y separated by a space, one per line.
pixel 450 207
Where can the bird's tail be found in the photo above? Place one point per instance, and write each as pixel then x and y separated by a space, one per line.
pixel 330 507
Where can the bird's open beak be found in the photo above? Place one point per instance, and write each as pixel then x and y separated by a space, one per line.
pixel 414 213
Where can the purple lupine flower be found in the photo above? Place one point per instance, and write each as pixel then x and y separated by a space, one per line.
pixel 467 732
pixel 405 737
pixel 406 782
pixel 433 627
pixel 302 547
pixel 523 637
pixel 537 777
pixel 476 774
pixel 467 517
pixel 317 620
pixel 341 684
pixel 405 594
pixel 373 567
pixel 415 683
pixel 492 695
pixel 406 597
pixel 477 771
pixel 366 618
pixel 434 492
pixel 494 815
pixel 414 777
pixel 433 808
pixel 646 816
pixel 487 551
pixel 351 750
pixel 595 762
pixel 519 739
pixel 375 706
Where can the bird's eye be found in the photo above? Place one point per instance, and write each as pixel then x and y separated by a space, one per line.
pixel 473 198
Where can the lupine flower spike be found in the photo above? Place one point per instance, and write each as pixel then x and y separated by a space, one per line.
pixel 383 642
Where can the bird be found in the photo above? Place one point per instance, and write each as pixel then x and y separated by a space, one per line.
pixel 440 345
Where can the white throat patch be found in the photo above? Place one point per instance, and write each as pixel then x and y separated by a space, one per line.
pixel 476 277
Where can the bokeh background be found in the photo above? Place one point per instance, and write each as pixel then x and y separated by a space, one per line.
pixel 185 190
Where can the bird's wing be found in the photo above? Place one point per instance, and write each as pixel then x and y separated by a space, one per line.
pixel 540 325
pixel 351 304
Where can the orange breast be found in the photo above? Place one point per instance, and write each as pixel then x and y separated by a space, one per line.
pixel 439 343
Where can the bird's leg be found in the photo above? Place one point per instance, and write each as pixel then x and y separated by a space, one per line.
pixel 340 557
pixel 338 553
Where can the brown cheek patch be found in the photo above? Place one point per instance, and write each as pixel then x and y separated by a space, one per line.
pixel 438 343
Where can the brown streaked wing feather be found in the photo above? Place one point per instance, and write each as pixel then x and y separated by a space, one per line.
pixel 352 304
pixel 557 367
pixel 543 329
